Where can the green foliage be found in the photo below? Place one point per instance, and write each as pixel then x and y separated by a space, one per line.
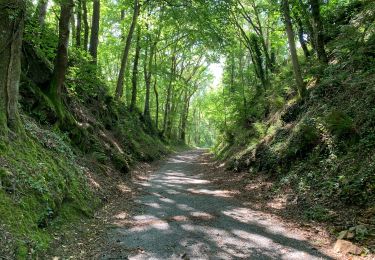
pixel 320 146
pixel 303 140
pixel 318 213
pixel 37 176
pixel 340 124
pixel 83 79
pixel 41 38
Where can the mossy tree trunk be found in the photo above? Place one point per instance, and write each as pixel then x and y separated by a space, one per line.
pixel 124 60
pixel 318 31
pixel 61 60
pixel 12 13
pixel 73 26
pixel 94 39
pixel 133 102
pixel 79 24
pixel 301 37
pixel 86 27
pixel 148 73
pixel 167 106
pixel 184 117
pixel 41 11
pixel 292 48
pixel 156 97
pixel 147 79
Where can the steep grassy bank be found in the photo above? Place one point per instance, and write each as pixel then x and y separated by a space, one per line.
pixel 42 185
pixel 319 151
pixel 59 172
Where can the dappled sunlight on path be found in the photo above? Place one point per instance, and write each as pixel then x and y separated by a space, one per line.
pixel 181 213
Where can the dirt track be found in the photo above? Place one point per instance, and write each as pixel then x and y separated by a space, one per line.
pixel 181 215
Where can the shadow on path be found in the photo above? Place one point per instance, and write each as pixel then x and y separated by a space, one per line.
pixel 182 213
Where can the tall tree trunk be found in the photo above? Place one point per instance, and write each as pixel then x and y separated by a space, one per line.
pixel 41 11
pixel 306 18
pixel 292 47
pixel 257 56
pixel 85 25
pixel 263 40
pixel 94 39
pixel 170 122
pixel 318 31
pixel 184 117
pixel 147 75
pixel 122 25
pixel 157 104
pixel 12 13
pixel 120 80
pixel 301 38
pixel 156 96
pixel 79 24
pixel 243 83
pixel 135 70
pixel 148 71
pixel 73 26
pixel 167 106
pixel 61 60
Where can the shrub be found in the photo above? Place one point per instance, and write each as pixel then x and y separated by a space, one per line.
pixel 340 124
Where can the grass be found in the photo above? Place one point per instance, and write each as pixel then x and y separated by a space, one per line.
pixel 321 149
pixel 41 187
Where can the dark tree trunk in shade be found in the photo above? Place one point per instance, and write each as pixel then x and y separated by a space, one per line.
pixel 79 24
pixel 135 71
pixel 148 72
pixel 301 38
pixel 147 77
pixel 157 104
pixel 12 13
pixel 122 24
pixel 73 26
pixel 61 60
pixel 318 31
pixel 167 107
pixel 85 25
pixel 120 80
pixel 94 39
pixel 184 118
pixel 292 48
pixel 156 97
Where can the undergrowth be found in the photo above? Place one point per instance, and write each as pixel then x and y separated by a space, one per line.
pixel 44 185
pixel 40 183
pixel 321 148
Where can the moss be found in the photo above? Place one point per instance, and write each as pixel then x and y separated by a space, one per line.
pixel 42 188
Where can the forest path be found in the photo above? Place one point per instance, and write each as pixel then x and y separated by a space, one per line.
pixel 181 215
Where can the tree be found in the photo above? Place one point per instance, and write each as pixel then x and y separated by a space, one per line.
pixel 135 71
pixel 318 31
pixel 124 60
pixel 85 25
pixel 61 60
pixel 148 62
pixel 12 13
pixel 79 24
pixel 292 48
pixel 167 107
pixel 301 37
pixel 41 11
pixel 94 39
